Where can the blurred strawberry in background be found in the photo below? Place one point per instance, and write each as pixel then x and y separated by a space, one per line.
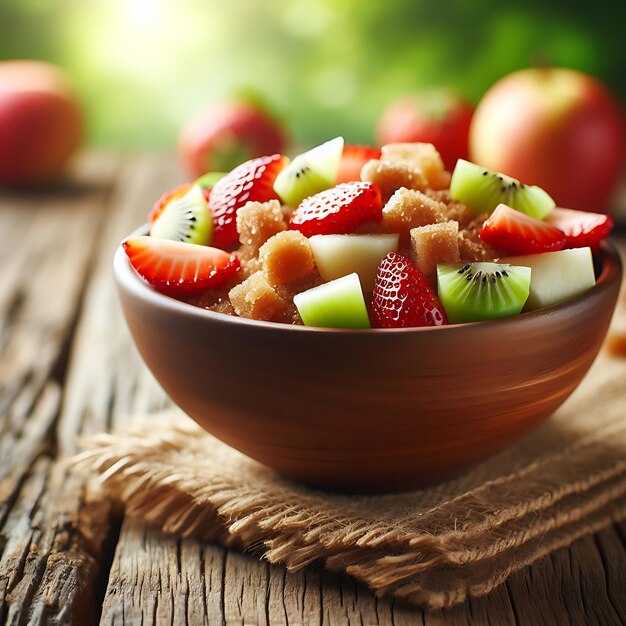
pixel 40 122
pixel 225 135
pixel 556 128
pixel 438 116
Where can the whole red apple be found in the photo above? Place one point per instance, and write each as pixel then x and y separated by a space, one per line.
pixel 40 122
pixel 226 135
pixel 556 128
pixel 437 116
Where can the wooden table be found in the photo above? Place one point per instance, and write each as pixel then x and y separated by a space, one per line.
pixel 68 368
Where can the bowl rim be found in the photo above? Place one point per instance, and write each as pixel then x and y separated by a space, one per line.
pixel 127 277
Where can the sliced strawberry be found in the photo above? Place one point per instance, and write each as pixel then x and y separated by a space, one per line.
pixel 168 196
pixel 581 228
pixel 353 158
pixel 250 181
pixel 518 233
pixel 338 210
pixel 179 269
pixel 403 297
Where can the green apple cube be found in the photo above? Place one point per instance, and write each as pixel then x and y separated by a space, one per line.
pixel 339 255
pixel 557 276
pixel 337 304
pixel 310 172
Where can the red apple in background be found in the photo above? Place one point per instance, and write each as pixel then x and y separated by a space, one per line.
pixel 437 116
pixel 226 135
pixel 556 128
pixel 40 122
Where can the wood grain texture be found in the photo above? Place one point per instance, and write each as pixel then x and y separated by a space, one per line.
pixel 68 367
pixel 50 539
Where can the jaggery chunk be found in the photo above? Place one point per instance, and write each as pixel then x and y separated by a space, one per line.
pixel 256 299
pixel 435 243
pixel 290 315
pixel 472 247
pixel 224 306
pixel 249 263
pixel 472 250
pixel 256 223
pixel 454 210
pixel 217 299
pixel 389 176
pixel 409 209
pixel 421 156
pixel 287 258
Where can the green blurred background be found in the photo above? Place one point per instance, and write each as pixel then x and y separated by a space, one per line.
pixel 327 67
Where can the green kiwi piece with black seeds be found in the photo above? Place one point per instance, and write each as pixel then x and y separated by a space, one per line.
pixel 187 219
pixel 482 191
pixel 472 292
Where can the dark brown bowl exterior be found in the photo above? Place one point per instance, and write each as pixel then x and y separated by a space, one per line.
pixel 368 410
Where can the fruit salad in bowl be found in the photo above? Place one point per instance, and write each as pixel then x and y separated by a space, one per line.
pixel 404 245
pixel 362 319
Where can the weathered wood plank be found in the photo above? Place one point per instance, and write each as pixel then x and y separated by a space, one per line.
pixel 613 555
pixel 50 539
pixel 55 545
pixel 46 256
pixel 19 453
pixel 572 586
pixel 107 381
pixel 162 580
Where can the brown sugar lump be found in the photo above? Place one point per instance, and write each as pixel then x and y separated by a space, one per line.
pixel 217 299
pixel 223 306
pixel 290 315
pixel 475 249
pixel 389 176
pixel 453 209
pixel 422 156
pixel 472 247
pixel 249 263
pixel 435 243
pixel 408 209
pixel 256 223
pixel 256 299
pixel 287 258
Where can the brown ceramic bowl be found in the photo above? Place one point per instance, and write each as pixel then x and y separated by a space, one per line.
pixel 368 410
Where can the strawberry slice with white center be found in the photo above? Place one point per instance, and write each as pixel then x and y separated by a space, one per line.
pixel 353 158
pixel 518 233
pixel 179 269
pixel 403 297
pixel 338 210
pixel 582 228
pixel 252 181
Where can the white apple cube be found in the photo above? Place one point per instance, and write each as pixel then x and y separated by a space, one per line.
pixel 339 255
pixel 337 304
pixel 556 276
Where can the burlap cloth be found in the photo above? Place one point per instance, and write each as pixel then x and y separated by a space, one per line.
pixel 433 547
